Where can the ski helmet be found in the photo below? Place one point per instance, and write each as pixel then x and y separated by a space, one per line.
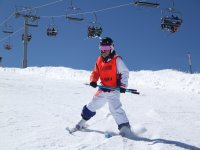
pixel 106 41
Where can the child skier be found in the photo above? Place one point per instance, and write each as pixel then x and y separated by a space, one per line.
pixel 112 72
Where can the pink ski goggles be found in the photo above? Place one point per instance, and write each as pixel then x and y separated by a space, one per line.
pixel 104 48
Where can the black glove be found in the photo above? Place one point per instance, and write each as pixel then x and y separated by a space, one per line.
pixel 122 90
pixel 93 84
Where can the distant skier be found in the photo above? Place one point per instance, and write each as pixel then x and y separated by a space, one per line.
pixel 112 72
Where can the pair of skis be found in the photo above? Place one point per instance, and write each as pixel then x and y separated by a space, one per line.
pixel 108 134
pixel 73 130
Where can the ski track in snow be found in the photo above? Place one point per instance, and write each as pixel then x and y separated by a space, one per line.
pixel 37 104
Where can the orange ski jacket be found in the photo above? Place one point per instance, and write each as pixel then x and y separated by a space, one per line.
pixel 107 72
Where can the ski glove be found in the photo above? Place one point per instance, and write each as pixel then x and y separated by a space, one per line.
pixel 93 84
pixel 122 90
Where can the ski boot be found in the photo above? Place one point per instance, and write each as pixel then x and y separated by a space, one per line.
pixel 125 131
pixel 81 124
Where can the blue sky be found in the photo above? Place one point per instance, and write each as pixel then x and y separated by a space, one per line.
pixel 135 30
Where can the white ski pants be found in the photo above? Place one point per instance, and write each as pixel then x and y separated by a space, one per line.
pixel 115 106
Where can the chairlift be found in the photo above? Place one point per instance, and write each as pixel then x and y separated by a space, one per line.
pixel 33 21
pixel 52 29
pixel 171 20
pixel 94 29
pixel 32 24
pixel 7 46
pixel 8 29
pixel 74 13
pixel 29 37
pixel 171 23
pixel 146 4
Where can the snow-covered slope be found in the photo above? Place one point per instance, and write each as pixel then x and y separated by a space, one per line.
pixel 37 104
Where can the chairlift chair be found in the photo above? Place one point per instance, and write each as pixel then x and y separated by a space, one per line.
pixel 52 30
pixel 171 19
pixel 91 31
pixel 8 29
pixel 99 31
pixel 33 22
pixel 74 16
pixel 94 29
pixel 171 23
pixel 29 37
pixel 74 13
pixel 32 25
pixel 7 46
pixel 147 4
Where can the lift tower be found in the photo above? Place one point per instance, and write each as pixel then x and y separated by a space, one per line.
pixel 30 20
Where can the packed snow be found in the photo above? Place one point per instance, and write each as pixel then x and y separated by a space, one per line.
pixel 37 104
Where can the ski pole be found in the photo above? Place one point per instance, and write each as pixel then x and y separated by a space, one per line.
pixel 133 91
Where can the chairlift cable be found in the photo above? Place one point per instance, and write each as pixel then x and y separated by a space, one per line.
pixel 51 3
pixel 105 9
pixel 40 6
pixel 95 17
pixel 90 12
pixel 7 18
pixel 173 4
pixel 11 34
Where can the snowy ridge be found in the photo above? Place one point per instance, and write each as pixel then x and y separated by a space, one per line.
pixel 167 79
pixel 163 79
pixel 51 72
pixel 37 104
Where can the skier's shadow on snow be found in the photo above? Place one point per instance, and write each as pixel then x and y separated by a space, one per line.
pixel 152 141
pixel 164 141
